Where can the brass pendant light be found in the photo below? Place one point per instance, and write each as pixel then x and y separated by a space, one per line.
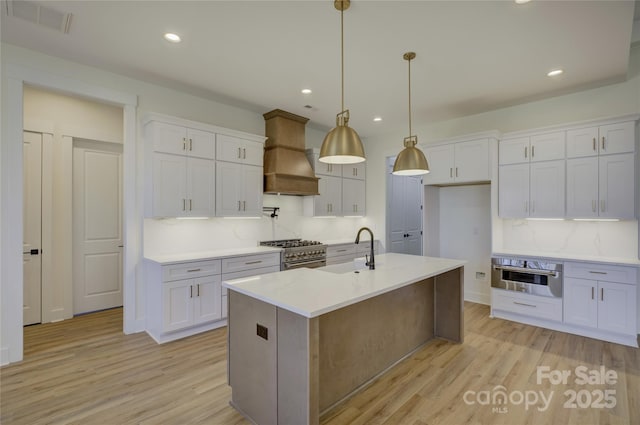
pixel 342 145
pixel 410 161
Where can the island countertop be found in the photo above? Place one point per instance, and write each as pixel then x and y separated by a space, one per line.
pixel 313 292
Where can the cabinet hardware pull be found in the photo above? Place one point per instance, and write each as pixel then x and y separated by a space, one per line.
pixel 594 272
pixel 456 171
pixel 528 305
pixel 198 293
pixel 602 205
pixel 594 144
pixel 244 153
pixel 601 294
pixel 450 171
pixel 190 208
pixel 533 151
pixel 254 262
pixel 593 205
pixel 603 143
pixel 341 250
pixel 244 205
pixel 190 144
pixel 184 204
pixel 184 143
pixel 193 270
pixel 329 168
pixel 239 153
pixel 525 151
pixel 191 291
pixel 592 290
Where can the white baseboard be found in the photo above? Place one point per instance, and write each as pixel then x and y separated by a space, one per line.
pixel 172 336
pixel 4 356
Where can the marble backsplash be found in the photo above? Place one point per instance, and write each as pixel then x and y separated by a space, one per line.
pixel 571 238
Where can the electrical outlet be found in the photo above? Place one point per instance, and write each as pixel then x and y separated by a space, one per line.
pixel 262 331
pixel 480 275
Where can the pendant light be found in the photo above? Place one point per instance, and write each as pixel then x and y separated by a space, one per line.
pixel 410 161
pixel 342 144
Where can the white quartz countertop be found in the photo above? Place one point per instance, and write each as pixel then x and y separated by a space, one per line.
pixel 165 259
pixel 313 292
pixel 561 257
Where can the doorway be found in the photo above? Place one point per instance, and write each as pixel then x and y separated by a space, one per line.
pixel 404 212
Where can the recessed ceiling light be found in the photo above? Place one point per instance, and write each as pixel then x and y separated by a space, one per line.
pixel 377 119
pixel 554 72
pixel 174 38
pixel 522 1
pixel 306 91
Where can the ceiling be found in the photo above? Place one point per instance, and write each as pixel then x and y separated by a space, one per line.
pixel 472 56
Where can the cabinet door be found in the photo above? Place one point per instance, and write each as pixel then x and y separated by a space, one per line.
pixel 177 299
pixel 353 197
pixel 617 138
pixel 329 201
pixel 513 191
pixel 354 171
pixel 207 295
pixel 200 187
pixel 323 169
pixel 201 144
pixel 617 307
pixel 252 191
pixel 582 142
pixel 228 188
pixel 169 138
pixel 582 187
pixel 547 189
pixel 169 185
pixel 234 149
pixel 472 161
pixel 579 302
pixel 617 186
pixel 513 151
pixel 441 168
pixel 546 147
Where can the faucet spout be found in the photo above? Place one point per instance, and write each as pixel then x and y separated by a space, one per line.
pixel 370 261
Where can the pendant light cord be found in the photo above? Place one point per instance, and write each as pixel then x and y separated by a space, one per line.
pixel 410 134
pixel 342 53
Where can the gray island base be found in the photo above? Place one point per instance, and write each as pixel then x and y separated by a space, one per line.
pixel 303 340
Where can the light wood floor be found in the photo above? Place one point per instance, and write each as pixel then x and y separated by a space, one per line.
pixel 85 371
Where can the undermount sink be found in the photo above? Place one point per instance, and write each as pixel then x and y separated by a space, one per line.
pixel 350 267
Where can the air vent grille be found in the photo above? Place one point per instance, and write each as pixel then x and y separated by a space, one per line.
pixel 40 15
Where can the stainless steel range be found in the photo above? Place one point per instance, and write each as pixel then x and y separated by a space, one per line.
pixel 298 253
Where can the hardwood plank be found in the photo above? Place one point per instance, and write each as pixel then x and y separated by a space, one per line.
pixel 86 371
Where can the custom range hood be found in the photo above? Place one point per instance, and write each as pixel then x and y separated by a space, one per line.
pixel 286 168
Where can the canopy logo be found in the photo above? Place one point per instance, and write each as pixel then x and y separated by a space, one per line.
pixel 499 398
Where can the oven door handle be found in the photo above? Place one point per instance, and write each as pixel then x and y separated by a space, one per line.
pixel 302 264
pixel 524 270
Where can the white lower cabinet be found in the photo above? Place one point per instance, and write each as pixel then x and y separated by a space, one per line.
pixel 591 300
pixel 191 302
pixel 185 298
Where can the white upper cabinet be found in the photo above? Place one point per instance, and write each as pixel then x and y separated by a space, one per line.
pixel 354 171
pixel 176 139
pixel 605 139
pixel 353 197
pixel 538 147
pixel 457 163
pixel 324 169
pixel 329 200
pixel 582 187
pixel 546 189
pixel 617 189
pixel 513 191
pixel 242 151
pixel 238 190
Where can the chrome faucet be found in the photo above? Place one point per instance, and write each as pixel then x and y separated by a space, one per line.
pixel 370 260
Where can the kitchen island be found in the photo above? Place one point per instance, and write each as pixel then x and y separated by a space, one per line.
pixel 301 341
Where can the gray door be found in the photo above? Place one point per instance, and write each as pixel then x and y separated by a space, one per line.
pixel 404 212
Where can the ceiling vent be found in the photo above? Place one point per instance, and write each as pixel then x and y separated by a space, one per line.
pixel 40 15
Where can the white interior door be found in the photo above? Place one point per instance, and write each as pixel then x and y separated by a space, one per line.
pixel 413 214
pixel 97 226
pixel 32 235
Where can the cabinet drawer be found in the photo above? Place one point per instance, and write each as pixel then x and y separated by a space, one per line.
pixel 527 305
pixel 247 273
pixel 248 262
pixel 190 269
pixel 339 250
pixel 609 273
